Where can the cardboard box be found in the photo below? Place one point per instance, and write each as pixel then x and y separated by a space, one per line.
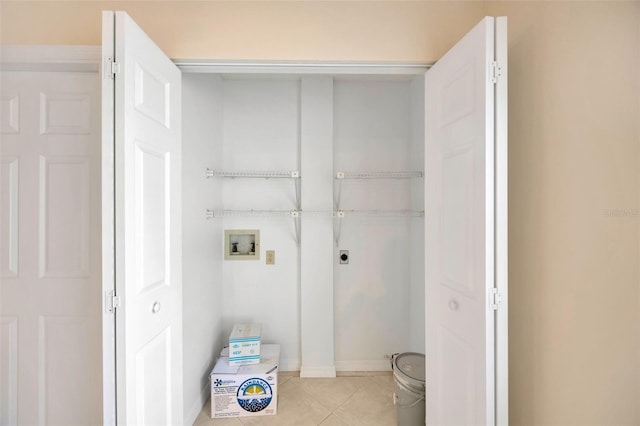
pixel 244 344
pixel 247 390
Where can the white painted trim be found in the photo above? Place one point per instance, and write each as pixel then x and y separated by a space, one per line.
pixel 318 372
pixel 501 226
pixel 369 365
pixel 489 222
pixel 87 58
pixel 285 67
pixel 49 58
pixel 108 233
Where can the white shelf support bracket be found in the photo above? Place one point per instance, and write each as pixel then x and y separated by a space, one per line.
pixel 298 193
pixel 295 214
pixel 337 225
pixel 336 201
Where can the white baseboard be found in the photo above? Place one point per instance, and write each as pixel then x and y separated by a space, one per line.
pixel 317 371
pixel 197 406
pixel 369 365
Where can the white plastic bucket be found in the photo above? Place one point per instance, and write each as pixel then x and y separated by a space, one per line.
pixel 409 376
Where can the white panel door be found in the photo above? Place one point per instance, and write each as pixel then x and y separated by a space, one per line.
pixel 147 229
pixel 50 348
pixel 460 231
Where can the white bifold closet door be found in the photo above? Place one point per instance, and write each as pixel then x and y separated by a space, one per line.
pixel 49 245
pixel 465 196
pixel 146 140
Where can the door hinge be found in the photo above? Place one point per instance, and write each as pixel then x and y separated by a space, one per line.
pixel 111 68
pixel 112 302
pixel 495 298
pixel 495 71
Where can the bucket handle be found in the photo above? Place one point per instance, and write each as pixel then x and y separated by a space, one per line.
pixel 412 404
pixel 420 398
pixel 392 358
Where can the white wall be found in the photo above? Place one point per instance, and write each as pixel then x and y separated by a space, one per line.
pixel 374 312
pixel 316 249
pixel 203 333
pixel 260 132
pixel 257 123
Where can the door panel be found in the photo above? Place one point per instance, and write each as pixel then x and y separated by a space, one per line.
pixel 147 99
pixel 456 364
pixel 152 169
pixel 154 388
pixel 152 95
pixel 60 336
pixel 64 217
pixel 9 112
pixel 8 370
pixel 65 113
pixel 457 169
pixel 460 233
pixel 9 171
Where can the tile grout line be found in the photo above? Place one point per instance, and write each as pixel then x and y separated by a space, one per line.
pixel 349 398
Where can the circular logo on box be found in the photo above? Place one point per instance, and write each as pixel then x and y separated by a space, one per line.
pixel 254 395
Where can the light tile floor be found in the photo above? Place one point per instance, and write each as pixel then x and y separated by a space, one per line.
pixel 351 399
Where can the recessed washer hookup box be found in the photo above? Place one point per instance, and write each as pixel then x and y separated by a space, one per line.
pixel 244 344
pixel 247 390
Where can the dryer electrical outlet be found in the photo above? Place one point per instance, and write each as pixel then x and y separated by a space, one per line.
pixel 344 257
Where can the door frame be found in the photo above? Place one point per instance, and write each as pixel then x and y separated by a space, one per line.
pixel 501 388
pixel 501 225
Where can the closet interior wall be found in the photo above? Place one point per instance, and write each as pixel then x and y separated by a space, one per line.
pixel 379 295
pixel 253 123
pixel 261 133
pixel 203 330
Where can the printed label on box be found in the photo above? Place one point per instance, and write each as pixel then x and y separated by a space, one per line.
pixel 254 395
pixel 244 344
pixel 248 390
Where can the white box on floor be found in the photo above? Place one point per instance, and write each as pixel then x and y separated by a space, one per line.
pixel 244 344
pixel 246 390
